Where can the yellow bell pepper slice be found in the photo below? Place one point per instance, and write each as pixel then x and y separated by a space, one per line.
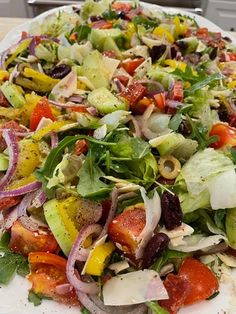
pixel 4 75
pixel 180 29
pixel 162 32
pixel 232 85
pixel 24 45
pixel 53 127
pixel 29 157
pixel 40 78
pixel 21 182
pixel 81 85
pixel 99 259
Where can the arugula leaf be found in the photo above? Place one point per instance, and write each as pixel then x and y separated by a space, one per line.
pixel 82 32
pixel 36 298
pixel 219 218
pixel 11 262
pixel 172 256
pixel 200 134
pixel 90 185
pixel 213 295
pixel 175 121
pixel 110 15
pixel 188 75
pixel 156 308
pixel 146 22
pixel 85 311
pixel 202 83
pixel 233 154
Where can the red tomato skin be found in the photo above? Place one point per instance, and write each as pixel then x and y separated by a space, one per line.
pixel 226 135
pixel 131 65
pixel 178 93
pixel 126 227
pixel 41 110
pixel 101 24
pixel 24 241
pixel 120 6
pixel 203 283
pixel 133 93
pixel 47 272
pixel 177 288
pixel 81 147
pixel 8 202
pixel 160 100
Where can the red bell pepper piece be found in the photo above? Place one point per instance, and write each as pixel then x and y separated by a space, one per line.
pixel 160 100
pixel 42 110
pixel 131 65
pixel 226 135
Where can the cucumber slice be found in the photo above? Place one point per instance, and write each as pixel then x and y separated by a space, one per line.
pixel 105 101
pixel 98 36
pixel 12 94
pixel 57 214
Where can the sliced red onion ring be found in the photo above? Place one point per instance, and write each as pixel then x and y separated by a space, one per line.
pixel 89 304
pixel 36 41
pixel 13 148
pixel 119 85
pixel 64 289
pixel 26 221
pixel 40 198
pixel 92 111
pixel 137 130
pixel 76 98
pixel 54 139
pixel 66 105
pixel 3 57
pixel 114 201
pixel 22 190
pixel 11 216
pixel 174 103
pixel 73 276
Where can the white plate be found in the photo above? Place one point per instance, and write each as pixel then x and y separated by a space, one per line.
pixel 13 298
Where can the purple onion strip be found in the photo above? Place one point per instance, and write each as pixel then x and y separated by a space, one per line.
pixel 54 139
pixel 72 275
pixel 22 190
pixel 13 148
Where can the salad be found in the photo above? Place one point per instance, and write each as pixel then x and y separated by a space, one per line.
pixel 117 159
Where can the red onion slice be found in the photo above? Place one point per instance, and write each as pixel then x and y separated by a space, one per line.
pixel 69 104
pixel 3 57
pixel 72 275
pixel 174 103
pixel 89 304
pixel 64 289
pixel 22 190
pixel 76 98
pixel 40 198
pixel 54 139
pixel 10 217
pixel 13 148
pixel 114 201
pixel 26 221
pixel 137 129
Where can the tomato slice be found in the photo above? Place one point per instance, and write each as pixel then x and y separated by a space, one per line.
pixel 203 283
pixel 226 135
pixel 177 288
pixel 47 272
pixel 8 202
pixel 232 56
pixel 131 65
pixel 120 6
pixel 24 241
pixel 203 32
pixel 141 106
pixel 133 93
pixel 160 100
pixel 41 110
pixel 81 147
pixel 126 227
pixel 102 24
pixel 178 93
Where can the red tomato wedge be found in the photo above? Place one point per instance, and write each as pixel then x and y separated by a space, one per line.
pixel 178 93
pixel 102 24
pixel 226 135
pixel 42 110
pixel 24 241
pixel 126 227
pixel 8 202
pixel 120 6
pixel 160 100
pixel 131 65
pixel 177 288
pixel 133 93
pixel 203 283
pixel 48 271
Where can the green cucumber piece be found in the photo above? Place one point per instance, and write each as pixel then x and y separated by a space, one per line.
pixel 98 36
pixel 12 94
pixel 105 101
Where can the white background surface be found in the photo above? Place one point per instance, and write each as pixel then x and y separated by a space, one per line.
pixel 13 298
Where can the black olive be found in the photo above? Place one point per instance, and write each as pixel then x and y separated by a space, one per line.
pixel 156 52
pixel 155 247
pixel 95 18
pixel 213 53
pixel 122 15
pixel 171 211
pixel 182 45
pixel 173 52
pixel 59 71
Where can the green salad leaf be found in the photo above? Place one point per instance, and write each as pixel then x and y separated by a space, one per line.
pixel 156 308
